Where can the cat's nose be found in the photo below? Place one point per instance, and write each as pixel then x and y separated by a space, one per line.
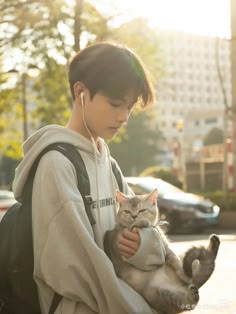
pixel 134 216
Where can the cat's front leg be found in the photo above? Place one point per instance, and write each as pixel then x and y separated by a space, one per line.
pixel 139 224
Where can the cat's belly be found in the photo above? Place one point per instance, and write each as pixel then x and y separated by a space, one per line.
pixel 147 281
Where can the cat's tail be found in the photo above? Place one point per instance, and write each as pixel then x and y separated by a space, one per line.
pixel 199 262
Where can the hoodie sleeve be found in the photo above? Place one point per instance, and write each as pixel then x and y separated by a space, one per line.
pixel 67 259
pixel 151 247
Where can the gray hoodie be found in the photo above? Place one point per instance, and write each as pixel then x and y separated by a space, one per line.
pixel 68 252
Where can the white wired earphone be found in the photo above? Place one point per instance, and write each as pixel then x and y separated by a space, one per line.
pixel 94 145
pixel 94 148
pixel 82 98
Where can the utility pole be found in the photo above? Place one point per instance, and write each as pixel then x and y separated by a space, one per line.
pixel 233 78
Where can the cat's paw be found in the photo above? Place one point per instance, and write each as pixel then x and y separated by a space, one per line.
pixel 193 293
pixel 139 224
pixel 214 243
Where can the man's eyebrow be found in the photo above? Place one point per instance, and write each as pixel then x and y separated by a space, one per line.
pixel 123 99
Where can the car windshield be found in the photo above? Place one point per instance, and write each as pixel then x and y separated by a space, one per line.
pixel 151 183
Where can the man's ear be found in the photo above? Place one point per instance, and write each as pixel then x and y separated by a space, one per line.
pixel 79 88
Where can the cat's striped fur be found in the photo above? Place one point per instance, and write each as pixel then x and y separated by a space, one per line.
pixel 172 287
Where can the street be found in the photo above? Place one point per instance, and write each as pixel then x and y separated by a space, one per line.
pixel 218 295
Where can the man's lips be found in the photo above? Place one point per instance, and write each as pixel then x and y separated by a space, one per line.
pixel 115 128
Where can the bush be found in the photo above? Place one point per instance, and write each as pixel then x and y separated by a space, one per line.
pixel 226 201
pixel 166 174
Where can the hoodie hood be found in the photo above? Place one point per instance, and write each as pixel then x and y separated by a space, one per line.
pixel 44 137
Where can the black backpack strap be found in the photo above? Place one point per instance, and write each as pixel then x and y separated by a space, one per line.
pixel 74 156
pixel 55 302
pixel 117 174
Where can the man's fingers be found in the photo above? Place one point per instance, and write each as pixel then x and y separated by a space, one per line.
pixel 131 235
pixel 132 244
pixel 126 251
pixel 128 242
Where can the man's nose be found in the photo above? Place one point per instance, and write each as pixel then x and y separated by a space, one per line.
pixel 123 115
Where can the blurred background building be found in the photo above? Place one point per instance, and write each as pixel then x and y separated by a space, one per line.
pixel 190 95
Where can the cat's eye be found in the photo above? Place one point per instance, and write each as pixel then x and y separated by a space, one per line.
pixel 142 210
pixel 127 211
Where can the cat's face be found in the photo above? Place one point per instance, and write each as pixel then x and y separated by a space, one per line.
pixel 135 208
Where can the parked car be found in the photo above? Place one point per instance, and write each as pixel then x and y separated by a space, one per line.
pixel 6 201
pixel 185 212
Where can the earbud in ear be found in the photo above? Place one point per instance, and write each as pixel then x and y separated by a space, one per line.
pixel 82 98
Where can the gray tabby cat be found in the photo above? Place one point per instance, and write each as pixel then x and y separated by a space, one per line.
pixel 170 288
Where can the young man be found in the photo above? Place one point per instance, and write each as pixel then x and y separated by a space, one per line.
pixel 106 81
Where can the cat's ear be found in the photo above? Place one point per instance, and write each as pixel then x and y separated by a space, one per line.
pixel 120 197
pixel 152 197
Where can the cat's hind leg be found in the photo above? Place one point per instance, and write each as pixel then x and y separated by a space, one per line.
pixel 176 301
pixel 214 243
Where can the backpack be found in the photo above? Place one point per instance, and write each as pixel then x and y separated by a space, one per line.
pixel 18 290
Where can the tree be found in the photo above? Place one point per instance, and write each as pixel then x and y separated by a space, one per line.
pixel 47 33
pixel 43 33
pixel 42 29
pixel 137 35
pixel 9 128
pixel 214 136
pixel 135 147
pixel 53 95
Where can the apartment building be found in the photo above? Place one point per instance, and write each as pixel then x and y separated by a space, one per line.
pixel 191 100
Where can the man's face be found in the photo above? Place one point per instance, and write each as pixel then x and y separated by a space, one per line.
pixel 104 116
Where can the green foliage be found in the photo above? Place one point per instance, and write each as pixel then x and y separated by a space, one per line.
pixel 226 201
pixel 7 95
pixel 7 171
pixel 96 24
pixel 43 29
pixel 166 174
pixel 135 147
pixel 137 35
pixel 53 95
pixel 214 136
pixel 46 33
pixel 10 120
pixel 35 26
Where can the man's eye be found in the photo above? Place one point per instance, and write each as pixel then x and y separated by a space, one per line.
pixel 114 104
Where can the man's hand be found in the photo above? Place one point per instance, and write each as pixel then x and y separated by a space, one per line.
pixel 128 242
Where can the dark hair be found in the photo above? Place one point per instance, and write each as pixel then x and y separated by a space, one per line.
pixel 113 70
